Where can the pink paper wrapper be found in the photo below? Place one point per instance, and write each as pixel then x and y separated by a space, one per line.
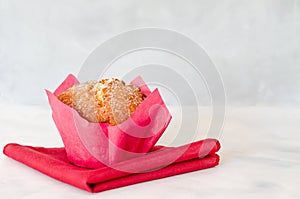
pixel 93 145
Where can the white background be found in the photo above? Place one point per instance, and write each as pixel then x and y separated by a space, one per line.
pixel 254 44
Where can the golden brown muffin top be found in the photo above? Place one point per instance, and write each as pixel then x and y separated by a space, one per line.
pixel 108 100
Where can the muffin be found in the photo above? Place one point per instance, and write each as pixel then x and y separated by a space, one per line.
pixel 106 122
pixel 108 100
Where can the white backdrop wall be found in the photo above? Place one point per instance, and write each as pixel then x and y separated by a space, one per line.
pixel 255 44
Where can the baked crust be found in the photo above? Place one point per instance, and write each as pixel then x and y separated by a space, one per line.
pixel 109 100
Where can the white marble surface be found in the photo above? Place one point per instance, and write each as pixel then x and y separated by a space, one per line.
pixel 260 158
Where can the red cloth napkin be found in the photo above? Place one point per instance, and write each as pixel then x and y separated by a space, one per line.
pixel 160 163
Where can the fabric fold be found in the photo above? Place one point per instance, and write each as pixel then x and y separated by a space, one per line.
pixel 160 163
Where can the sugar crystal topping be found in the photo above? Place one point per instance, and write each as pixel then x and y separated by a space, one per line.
pixel 108 100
